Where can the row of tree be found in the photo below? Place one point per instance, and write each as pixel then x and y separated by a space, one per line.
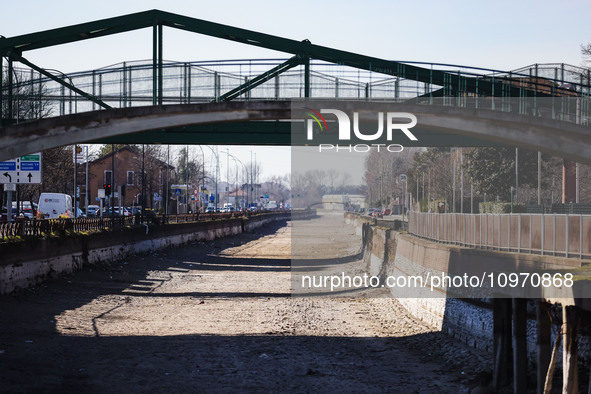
pixel 439 173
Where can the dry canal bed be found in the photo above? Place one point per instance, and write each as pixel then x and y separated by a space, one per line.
pixel 218 317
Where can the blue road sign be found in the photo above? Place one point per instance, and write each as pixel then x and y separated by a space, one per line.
pixel 7 166
pixel 29 165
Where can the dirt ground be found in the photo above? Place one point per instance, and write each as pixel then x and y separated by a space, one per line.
pixel 218 317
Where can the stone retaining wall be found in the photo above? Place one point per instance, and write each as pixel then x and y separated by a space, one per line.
pixel 33 260
pixel 390 253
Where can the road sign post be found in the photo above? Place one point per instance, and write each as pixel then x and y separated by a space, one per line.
pixel 9 206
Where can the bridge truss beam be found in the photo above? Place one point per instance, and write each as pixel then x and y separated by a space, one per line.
pixel 454 83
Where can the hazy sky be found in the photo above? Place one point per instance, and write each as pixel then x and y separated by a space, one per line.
pixel 501 35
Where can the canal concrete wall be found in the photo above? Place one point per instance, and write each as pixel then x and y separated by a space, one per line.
pixel 33 260
pixel 388 253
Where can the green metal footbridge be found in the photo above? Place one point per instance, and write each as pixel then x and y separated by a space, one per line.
pixel 247 101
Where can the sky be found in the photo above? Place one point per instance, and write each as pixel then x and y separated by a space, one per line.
pixel 503 35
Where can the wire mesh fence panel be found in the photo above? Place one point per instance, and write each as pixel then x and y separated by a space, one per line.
pixel 564 235
pixel 133 83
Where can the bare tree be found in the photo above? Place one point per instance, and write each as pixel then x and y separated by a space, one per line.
pixel 28 103
pixel 27 92
pixel 586 53
pixel 382 171
pixel 278 188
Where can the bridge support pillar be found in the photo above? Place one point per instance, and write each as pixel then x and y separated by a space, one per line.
pixel 570 356
pixel 519 345
pixel 503 366
pixel 543 343
pixel 1 90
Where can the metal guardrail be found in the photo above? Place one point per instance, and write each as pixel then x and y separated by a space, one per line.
pixel 39 227
pixel 556 235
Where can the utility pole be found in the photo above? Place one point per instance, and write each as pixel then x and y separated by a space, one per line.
pixel 454 186
pixel 540 178
pixel 187 179
pixel 251 176
pixel 112 177
pixel 227 152
pixel 75 181
pixel 86 182
pixel 516 172
pixel 461 180
pixel 167 180
pixel 217 175
pixel 143 183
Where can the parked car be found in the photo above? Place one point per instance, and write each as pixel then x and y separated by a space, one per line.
pixel 370 211
pixel 55 205
pixel 110 212
pixel 28 213
pixel 134 210
pixel 26 210
pixel 122 212
pixel 80 213
pixel 93 211
pixel 377 214
pixel 4 216
pixel 210 210
pixel 387 212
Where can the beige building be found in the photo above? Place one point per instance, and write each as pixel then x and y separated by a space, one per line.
pixel 341 202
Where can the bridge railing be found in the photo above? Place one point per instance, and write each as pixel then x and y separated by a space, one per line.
pixel 130 84
pixel 557 235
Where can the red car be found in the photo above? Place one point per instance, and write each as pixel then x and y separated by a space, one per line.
pixel 377 214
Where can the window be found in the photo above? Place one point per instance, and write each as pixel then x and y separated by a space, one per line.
pixel 130 178
pixel 108 177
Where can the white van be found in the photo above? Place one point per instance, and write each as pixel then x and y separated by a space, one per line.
pixel 55 205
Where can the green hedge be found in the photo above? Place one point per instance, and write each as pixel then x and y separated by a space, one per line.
pixel 500 207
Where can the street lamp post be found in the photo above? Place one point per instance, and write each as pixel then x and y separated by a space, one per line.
pixel 454 186
pixel 202 175
pixel 187 179
pixel 461 180
pixel 516 172
pixel 245 172
pixel 227 152
pixel 217 170
pixel 429 191
pixel 417 197
pixel 417 178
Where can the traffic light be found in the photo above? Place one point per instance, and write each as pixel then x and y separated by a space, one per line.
pixel 107 187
